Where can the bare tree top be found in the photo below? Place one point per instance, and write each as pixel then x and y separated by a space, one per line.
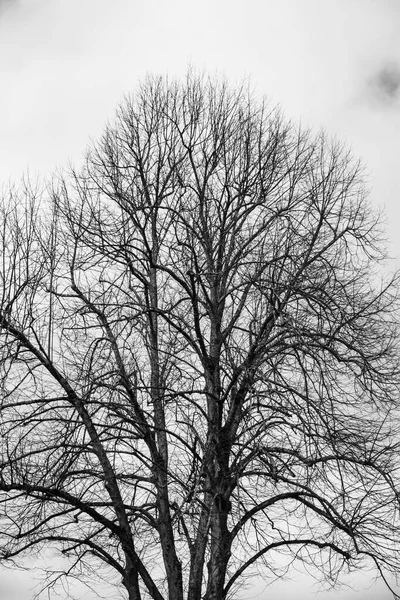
pixel 200 355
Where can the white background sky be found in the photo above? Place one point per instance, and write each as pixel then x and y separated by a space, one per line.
pixel 65 65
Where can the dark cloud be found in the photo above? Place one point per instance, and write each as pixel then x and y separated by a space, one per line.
pixel 388 80
pixel 385 83
pixel 6 5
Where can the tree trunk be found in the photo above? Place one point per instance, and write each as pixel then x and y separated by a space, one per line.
pixel 131 582
pixel 220 551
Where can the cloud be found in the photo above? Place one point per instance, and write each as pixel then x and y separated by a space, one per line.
pixel 18 8
pixel 387 80
pixel 6 4
pixel 384 85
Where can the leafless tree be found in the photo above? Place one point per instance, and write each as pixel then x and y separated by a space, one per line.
pixel 200 356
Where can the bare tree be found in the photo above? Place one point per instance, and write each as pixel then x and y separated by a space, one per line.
pixel 200 359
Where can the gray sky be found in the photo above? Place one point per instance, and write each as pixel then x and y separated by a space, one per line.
pixel 65 65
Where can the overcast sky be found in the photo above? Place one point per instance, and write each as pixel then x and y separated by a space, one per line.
pixel 65 65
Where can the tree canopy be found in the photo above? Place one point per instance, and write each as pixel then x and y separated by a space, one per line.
pixel 199 354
